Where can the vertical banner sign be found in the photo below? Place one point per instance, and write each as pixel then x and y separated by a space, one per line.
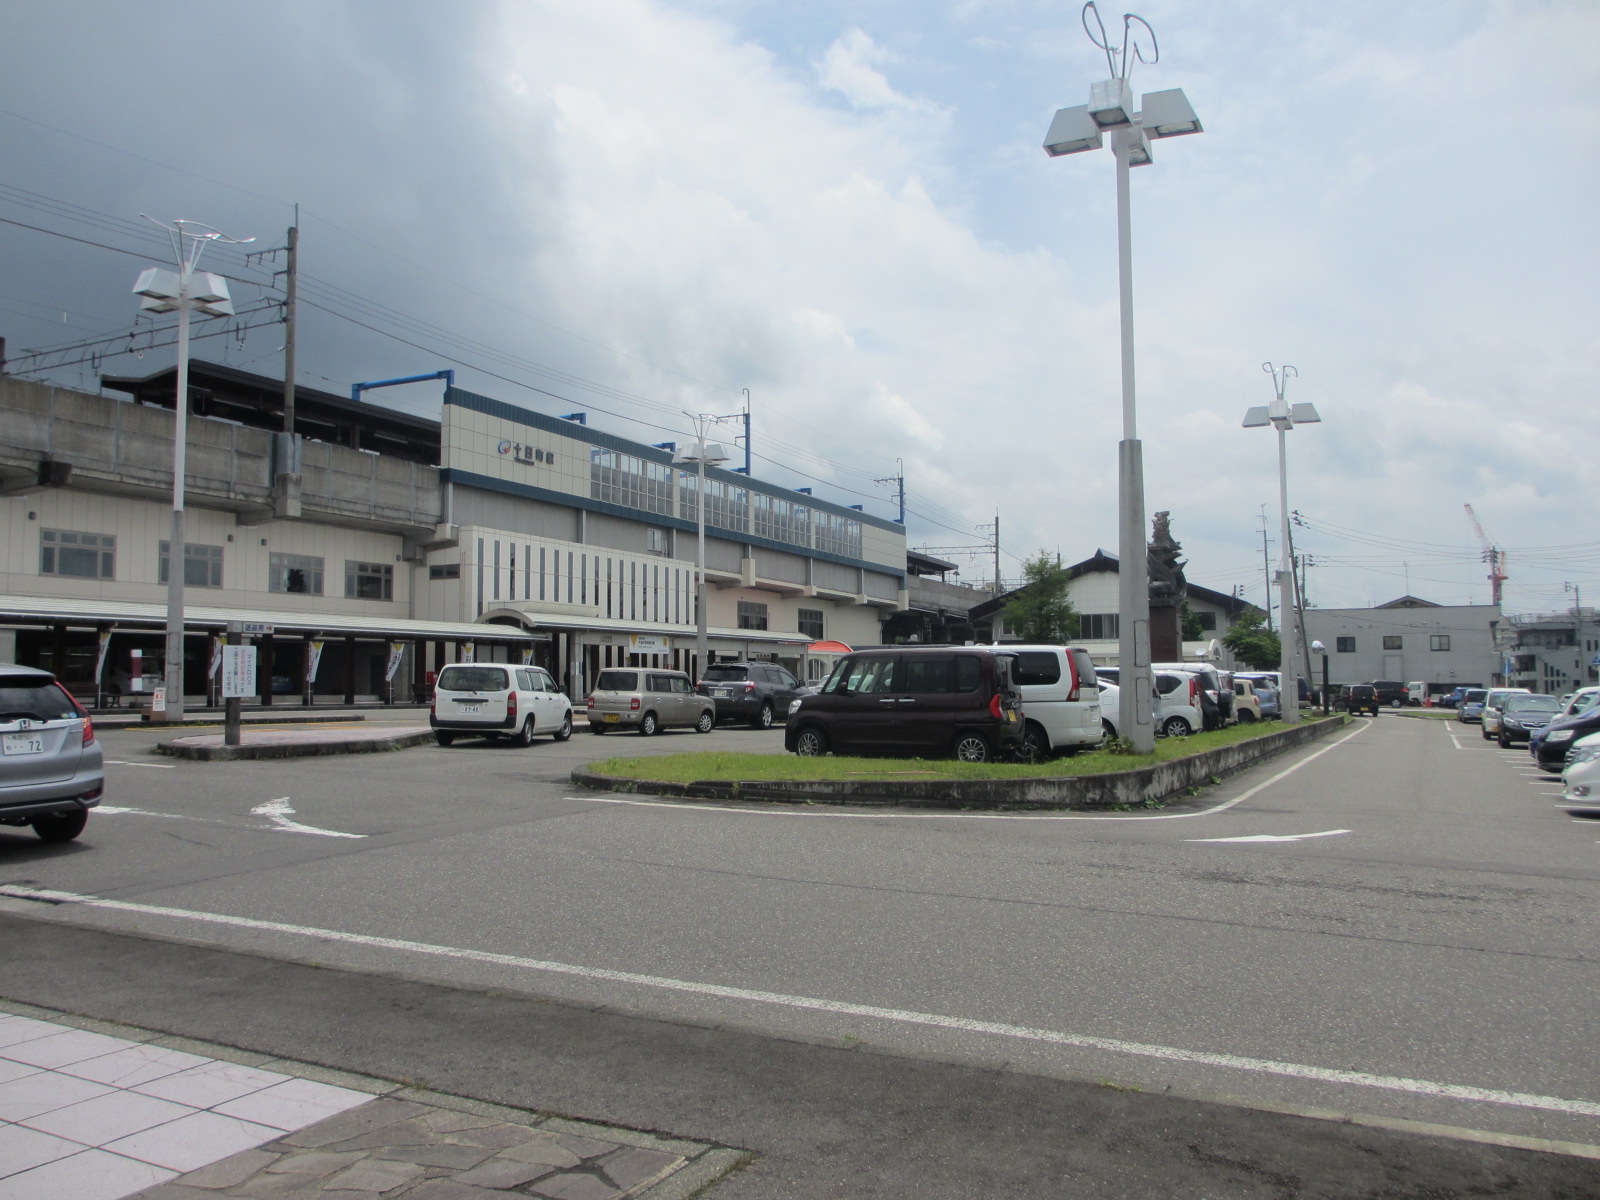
pixel 466 652
pixel 238 671
pixel 397 651
pixel 313 659
pixel 100 663
pixel 216 658
pixel 527 655
pixel 136 670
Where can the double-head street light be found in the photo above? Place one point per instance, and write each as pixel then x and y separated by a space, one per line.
pixel 1283 416
pixel 700 453
pixel 1160 115
pixel 182 291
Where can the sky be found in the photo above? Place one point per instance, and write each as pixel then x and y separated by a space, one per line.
pixel 642 208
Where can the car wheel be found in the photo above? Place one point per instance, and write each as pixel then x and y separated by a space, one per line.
pixel 1505 742
pixel 1107 729
pixel 973 748
pixel 705 723
pixel 565 731
pixel 1485 734
pixel 1035 744
pixel 763 719
pixel 1246 717
pixel 1175 727
pixel 811 742
pixel 445 739
pixel 1395 703
pixel 647 725
pixel 60 828
pixel 524 736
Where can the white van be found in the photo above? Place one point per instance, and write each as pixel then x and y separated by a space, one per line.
pixel 1416 694
pixel 496 700
pixel 1060 699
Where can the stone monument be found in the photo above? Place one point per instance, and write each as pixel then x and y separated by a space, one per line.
pixel 1168 589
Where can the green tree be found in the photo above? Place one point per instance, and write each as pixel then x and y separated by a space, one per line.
pixel 1254 646
pixel 1040 611
pixel 1193 631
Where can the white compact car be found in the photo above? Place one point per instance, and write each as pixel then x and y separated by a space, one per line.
pixel 1179 711
pixel 1580 778
pixel 496 700
pixel 1060 699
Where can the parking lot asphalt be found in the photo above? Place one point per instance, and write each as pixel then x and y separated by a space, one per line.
pixel 815 1115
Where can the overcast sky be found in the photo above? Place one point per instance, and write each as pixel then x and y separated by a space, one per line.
pixel 640 207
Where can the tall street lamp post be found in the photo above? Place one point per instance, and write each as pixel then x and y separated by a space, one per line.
pixel 700 454
pixel 1161 115
pixel 1283 416
pixel 184 291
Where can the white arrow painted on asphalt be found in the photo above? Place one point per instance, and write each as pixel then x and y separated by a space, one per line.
pixel 278 812
pixel 1272 837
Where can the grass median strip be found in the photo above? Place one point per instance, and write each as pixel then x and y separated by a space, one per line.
pixel 764 768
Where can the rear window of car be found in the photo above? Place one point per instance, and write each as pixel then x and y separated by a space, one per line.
pixel 474 679
pixel 1036 667
pixel 618 681
pixel 726 671
pixel 34 698
pixel 1474 696
pixel 1533 704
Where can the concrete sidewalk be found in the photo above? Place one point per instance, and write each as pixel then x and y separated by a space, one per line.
pixel 94 1111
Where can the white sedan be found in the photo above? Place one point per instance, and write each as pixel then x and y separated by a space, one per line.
pixel 1580 778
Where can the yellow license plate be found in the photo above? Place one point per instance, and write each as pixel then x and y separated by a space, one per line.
pixel 1011 715
pixel 613 718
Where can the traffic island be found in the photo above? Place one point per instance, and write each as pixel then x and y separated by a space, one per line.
pixel 1136 787
pixel 294 743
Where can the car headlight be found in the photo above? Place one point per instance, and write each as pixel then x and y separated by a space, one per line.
pixel 794 705
pixel 1582 754
pixel 1559 735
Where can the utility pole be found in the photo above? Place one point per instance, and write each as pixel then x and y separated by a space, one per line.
pixel 290 280
pixel 997 552
pixel 1266 565
pixel 900 487
pixel 1299 613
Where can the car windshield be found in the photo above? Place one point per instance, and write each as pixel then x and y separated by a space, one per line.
pixel 473 679
pixel 1532 704
pixel 726 671
pixel 34 698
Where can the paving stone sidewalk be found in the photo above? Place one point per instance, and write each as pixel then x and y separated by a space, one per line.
pixel 371 1138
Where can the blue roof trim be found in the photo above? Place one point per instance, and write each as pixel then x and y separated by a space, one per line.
pixel 537 420
pixel 505 487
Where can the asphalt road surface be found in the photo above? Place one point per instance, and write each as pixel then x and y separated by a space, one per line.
pixel 1393 926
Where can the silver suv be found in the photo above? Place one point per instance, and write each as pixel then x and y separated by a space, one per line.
pixel 51 769
pixel 648 700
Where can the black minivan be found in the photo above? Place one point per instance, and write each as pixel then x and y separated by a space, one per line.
pixel 913 702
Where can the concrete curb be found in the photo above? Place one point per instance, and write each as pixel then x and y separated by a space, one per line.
pixel 1114 789
pixel 368 745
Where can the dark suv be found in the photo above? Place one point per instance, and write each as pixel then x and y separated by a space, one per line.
pixel 913 702
pixel 1361 698
pixel 51 771
pixel 757 692
pixel 1391 692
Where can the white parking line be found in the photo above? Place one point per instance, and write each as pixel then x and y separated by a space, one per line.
pixel 119 762
pixel 1263 1066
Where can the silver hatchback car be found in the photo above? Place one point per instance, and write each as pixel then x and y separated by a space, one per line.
pixel 648 700
pixel 51 769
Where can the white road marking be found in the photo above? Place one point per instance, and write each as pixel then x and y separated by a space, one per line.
pixel 120 762
pixel 1273 837
pixel 278 812
pixel 138 812
pixel 1265 1066
pixel 1005 816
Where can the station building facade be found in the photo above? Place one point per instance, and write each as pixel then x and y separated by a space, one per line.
pixel 376 546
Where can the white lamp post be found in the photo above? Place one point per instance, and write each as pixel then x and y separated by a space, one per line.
pixel 701 453
pixel 1162 115
pixel 1283 417
pixel 183 291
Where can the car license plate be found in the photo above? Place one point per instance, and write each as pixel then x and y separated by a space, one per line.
pixel 22 743
pixel 722 693
pixel 1011 714
pixel 469 710
pixel 613 718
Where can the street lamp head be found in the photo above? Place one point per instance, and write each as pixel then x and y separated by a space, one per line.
pixel 1318 648
pixel 1138 146
pixel 1167 114
pixel 1072 131
pixel 1111 104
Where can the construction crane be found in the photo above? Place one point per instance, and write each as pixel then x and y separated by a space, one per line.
pixel 1493 555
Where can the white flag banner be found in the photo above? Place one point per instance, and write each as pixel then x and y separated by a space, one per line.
pixel 397 651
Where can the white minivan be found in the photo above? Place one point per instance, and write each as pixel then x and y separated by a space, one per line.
pixel 1060 699
pixel 496 700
